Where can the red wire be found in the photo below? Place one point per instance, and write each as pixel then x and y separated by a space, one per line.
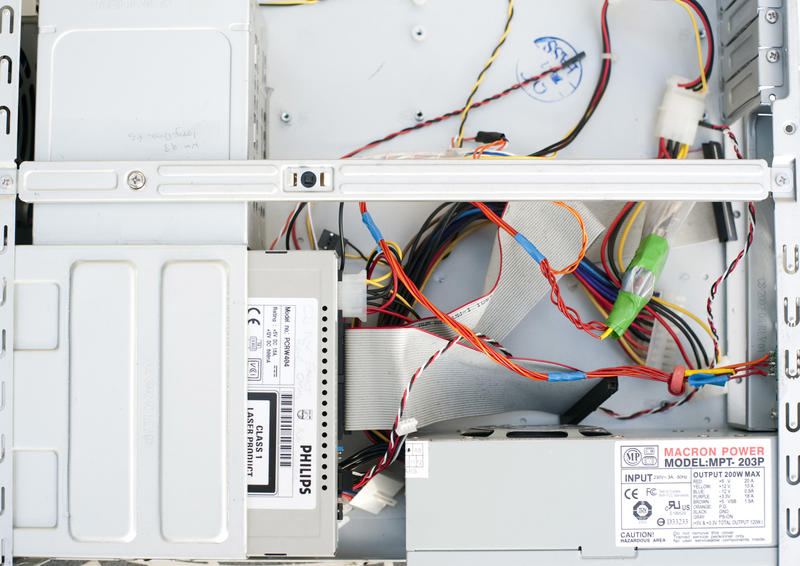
pixel 294 236
pixel 707 27
pixel 674 336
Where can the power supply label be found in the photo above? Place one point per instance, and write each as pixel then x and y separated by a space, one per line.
pixel 695 493
pixel 282 436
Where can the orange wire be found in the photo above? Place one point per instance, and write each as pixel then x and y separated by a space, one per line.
pixel 584 240
pixel 499 145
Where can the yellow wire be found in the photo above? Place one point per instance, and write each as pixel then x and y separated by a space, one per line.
pixel 688 313
pixel 380 435
pixel 377 282
pixel 289 3
pixel 308 227
pixel 714 371
pixel 698 41
pixel 482 74
pixel 623 342
pixel 683 152
pixel 449 249
pixel 625 233
pixel 550 156
pixel 678 308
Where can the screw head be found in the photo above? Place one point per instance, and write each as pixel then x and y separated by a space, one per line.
pixel 781 179
pixel 419 33
pixel 136 180
pixel 771 16
pixel 6 180
pixel 773 55
pixel 286 117
pixel 789 128
pixel 419 116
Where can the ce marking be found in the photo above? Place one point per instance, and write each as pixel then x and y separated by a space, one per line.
pixel 253 320
pixel 632 493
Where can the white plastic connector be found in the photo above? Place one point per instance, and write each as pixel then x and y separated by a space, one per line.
pixel 353 295
pixel 680 111
pixel 377 494
pixel 406 426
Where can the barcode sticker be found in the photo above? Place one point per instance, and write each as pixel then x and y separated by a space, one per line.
pixel 283 347
pixel 285 450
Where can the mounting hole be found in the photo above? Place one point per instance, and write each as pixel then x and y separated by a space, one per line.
pixel 419 33
pixel 324 350
pixel 324 319
pixel 324 382
pixel 324 488
pixel 324 308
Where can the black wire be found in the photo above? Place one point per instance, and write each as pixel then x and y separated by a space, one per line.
pixel 290 225
pixel 358 251
pixel 364 455
pixel 342 257
pixel 597 94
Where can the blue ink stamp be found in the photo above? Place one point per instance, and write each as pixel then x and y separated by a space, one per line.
pixel 548 52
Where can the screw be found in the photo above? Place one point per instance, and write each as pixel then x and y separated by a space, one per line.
pixel 781 179
pixel 418 33
pixel 773 55
pixel 789 128
pixel 771 16
pixel 136 180
pixel 286 117
pixel 6 180
pixel 419 116
pixel 773 414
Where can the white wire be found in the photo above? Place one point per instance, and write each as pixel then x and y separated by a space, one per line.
pixel 311 223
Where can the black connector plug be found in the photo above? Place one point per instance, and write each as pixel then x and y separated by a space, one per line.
pixel 328 241
pixel 489 137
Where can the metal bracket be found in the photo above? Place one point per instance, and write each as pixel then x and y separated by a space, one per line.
pixel 7 223
pixel 787 253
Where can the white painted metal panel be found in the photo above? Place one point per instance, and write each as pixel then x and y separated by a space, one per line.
pixel 123 392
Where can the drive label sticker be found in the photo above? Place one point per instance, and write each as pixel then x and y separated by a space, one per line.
pixel 695 493
pixel 281 415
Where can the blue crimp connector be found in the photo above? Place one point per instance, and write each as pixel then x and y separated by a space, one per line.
pixel 532 250
pixel 700 379
pixel 372 227
pixel 566 376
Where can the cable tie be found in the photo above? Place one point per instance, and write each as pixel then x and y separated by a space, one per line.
pixel 613 57
pixel 677 385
